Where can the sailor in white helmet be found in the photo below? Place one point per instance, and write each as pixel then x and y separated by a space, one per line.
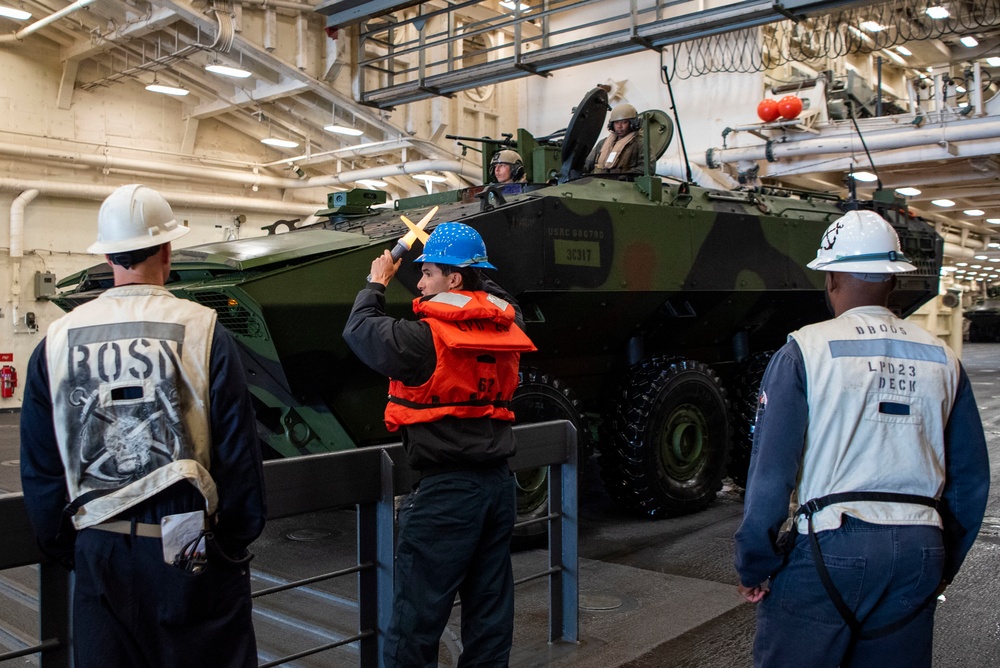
pixel 140 464
pixel 867 424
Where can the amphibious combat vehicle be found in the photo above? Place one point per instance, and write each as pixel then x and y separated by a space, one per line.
pixel 654 305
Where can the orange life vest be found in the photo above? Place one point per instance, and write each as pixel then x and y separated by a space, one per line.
pixel 478 348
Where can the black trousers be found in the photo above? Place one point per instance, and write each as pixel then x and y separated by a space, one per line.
pixel 454 537
pixel 132 610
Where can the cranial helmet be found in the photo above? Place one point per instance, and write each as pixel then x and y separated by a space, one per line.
pixel 861 241
pixel 511 158
pixel 455 244
pixel 134 217
pixel 624 112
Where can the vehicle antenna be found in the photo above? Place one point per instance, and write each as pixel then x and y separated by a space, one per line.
pixel 677 122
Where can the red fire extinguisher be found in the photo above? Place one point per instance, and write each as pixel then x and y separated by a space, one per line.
pixel 8 381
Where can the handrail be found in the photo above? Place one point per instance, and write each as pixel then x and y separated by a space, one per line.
pixel 368 478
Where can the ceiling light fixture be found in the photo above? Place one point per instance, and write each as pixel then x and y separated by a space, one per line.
pixel 937 12
pixel 943 203
pixel 227 71
pixel 969 41
pixel 283 143
pixel 866 177
pixel 981 257
pixel 343 130
pixel 16 14
pixel 509 4
pixel 432 178
pixel 156 87
pixel 908 192
pixel 961 264
pixel 903 50
pixel 973 212
pixel 872 26
pixel 993 61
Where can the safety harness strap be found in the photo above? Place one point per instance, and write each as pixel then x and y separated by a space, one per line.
pixel 812 507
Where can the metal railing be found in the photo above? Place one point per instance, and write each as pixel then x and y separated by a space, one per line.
pixel 368 478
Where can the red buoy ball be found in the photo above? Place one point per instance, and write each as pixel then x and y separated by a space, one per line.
pixel 790 107
pixel 768 111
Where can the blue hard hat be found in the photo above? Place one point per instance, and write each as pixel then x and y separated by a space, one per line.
pixel 455 244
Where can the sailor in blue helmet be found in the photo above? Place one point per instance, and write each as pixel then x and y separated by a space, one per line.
pixel 869 425
pixel 451 375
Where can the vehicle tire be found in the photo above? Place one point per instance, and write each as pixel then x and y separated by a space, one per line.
pixel 671 438
pixel 540 397
pixel 743 411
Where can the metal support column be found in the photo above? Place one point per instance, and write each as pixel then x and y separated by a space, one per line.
pixel 564 560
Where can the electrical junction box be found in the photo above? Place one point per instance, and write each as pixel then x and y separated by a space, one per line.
pixel 45 284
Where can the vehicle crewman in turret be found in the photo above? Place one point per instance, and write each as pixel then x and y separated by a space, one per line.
pixel 868 423
pixel 506 167
pixel 620 151
pixel 140 464
pixel 452 374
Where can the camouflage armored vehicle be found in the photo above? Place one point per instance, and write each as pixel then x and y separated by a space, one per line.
pixel 984 318
pixel 653 304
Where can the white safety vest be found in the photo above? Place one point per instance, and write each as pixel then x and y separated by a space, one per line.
pixel 129 381
pixel 880 391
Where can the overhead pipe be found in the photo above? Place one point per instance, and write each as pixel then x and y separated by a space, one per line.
pixel 41 23
pixel 773 151
pixel 200 173
pixel 182 199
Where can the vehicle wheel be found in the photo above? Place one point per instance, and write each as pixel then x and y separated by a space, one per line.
pixel 745 393
pixel 671 438
pixel 540 397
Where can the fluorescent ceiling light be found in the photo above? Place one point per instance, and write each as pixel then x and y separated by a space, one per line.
pixel 993 61
pixel 16 14
pixel 227 71
pixel 994 244
pixel 976 266
pixel 872 26
pixel 960 271
pixel 981 257
pixel 961 264
pixel 963 105
pixel 937 12
pixel 948 268
pixel 903 50
pixel 433 178
pixel 283 143
pixel 969 41
pixel 993 221
pixel 509 4
pixel 973 212
pixel 943 202
pixel 864 176
pixel 372 182
pixel 167 90
pixel 344 130
pixel 908 192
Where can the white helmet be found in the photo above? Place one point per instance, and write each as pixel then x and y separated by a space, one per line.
pixel 861 241
pixel 133 217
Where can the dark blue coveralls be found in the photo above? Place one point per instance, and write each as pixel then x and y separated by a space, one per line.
pixel 884 572
pixel 130 608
